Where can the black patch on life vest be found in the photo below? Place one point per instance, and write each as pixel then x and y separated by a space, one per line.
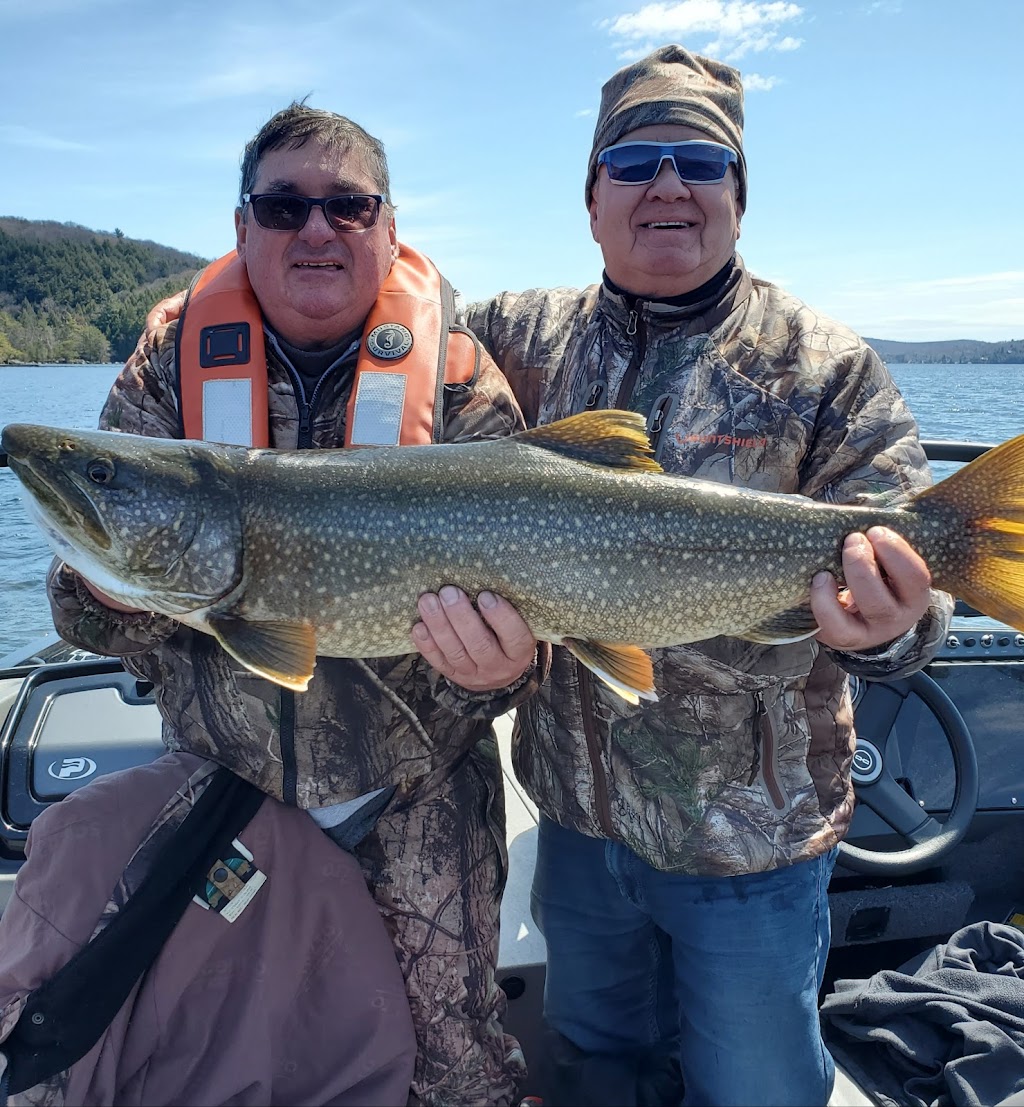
pixel 224 344
pixel 389 341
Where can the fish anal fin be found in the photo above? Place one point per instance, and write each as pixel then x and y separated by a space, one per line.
pixel 284 652
pixel 616 439
pixel 626 669
pixel 793 625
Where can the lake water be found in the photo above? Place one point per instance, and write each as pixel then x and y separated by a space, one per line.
pixel 972 402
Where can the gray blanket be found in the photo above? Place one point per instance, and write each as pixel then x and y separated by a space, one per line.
pixel 946 1028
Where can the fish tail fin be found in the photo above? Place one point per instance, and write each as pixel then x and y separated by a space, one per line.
pixel 982 505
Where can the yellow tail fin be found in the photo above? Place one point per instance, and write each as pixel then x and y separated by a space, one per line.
pixel 982 505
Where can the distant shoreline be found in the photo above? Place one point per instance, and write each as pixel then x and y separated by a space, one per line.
pixel 48 364
pixel 899 359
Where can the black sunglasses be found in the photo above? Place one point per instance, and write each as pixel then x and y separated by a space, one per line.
pixel 285 211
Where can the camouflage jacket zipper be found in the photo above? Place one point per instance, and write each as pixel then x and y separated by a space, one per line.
pixel 601 798
pixel 765 756
pixel 289 758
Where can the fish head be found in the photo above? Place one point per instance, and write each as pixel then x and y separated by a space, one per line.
pixel 154 523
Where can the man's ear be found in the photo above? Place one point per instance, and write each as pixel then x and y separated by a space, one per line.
pixel 593 217
pixel 393 235
pixel 240 230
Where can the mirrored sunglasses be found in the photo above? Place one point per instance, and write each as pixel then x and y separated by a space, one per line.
pixel 695 162
pixel 285 211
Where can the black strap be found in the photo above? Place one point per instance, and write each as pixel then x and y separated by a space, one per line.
pixel 65 1017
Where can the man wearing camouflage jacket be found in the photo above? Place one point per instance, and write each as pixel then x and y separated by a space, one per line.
pixel 686 845
pixel 413 750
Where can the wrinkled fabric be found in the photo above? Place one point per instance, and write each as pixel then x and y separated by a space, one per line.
pixel 721 974
pixel 743 764
pixel 362 726
pixel 298 1001
pixel 944 1028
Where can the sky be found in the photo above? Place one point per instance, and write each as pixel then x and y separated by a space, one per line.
pixel 884 138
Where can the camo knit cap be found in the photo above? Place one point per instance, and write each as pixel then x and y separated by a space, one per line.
pixel 671 85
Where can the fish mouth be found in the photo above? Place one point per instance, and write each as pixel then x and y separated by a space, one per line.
pixel 60 498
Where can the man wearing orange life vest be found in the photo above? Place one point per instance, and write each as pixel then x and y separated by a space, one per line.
pixel 293 344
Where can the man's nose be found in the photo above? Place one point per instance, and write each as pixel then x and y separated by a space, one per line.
pixel 667 185
pixel 317 231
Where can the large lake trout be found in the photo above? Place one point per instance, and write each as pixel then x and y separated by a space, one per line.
pixel 283 555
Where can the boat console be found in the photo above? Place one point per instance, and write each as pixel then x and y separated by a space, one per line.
pixel 69 723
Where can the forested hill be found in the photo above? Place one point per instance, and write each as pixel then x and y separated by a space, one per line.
pixel 963 351
pixel 68 293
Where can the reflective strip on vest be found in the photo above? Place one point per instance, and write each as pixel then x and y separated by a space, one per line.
pixel 227 412
pixel 376 413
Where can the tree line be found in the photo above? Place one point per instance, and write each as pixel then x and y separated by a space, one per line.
pixel 962 351
pixel 69 294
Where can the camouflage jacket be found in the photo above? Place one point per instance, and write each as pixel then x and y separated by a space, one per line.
pixel 743 764
pixel 361 726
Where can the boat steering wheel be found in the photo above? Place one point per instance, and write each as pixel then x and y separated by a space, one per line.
pixel 929 840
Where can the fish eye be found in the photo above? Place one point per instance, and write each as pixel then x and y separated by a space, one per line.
pixel 100 471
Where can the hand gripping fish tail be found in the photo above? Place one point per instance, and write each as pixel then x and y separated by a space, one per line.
pixel 284 556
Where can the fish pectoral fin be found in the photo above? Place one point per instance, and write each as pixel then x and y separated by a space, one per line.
pixel 283 652
pixel 793 625
pixel 627 669
pixel 617 439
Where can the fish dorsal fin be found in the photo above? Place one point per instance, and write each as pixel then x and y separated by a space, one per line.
pixel 627 669
pixel 617 439
pixel 284 652
pixel 793 625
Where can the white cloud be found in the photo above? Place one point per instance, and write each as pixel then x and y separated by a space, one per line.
pixel 754 82
pixel 16 135
pixel 1010 278
pixel 20 11
pixel 280 56
pixel 249 79
pixel 988 306
pixel 425 204
pixel 730 28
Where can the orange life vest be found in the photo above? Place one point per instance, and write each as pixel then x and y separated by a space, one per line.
pixel 411 348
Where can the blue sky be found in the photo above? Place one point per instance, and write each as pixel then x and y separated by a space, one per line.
pixel 884 137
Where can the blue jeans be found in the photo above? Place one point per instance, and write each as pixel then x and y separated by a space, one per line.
pixel 727 968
